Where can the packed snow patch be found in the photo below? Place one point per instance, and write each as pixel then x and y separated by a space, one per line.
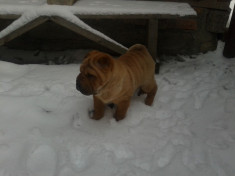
pixel 45 128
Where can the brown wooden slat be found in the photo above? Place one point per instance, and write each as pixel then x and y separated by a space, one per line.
pixel 185 24
pixel 113 16
pixel 9 16
pixel 132 16
pixel 211 4
pixel 61 2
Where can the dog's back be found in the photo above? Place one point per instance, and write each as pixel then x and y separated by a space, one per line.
pixel 140 62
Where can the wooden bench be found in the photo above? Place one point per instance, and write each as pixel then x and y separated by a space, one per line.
pixel 149 10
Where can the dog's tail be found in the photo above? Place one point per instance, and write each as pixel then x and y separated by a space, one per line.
pixel 141 48
pixel 138 47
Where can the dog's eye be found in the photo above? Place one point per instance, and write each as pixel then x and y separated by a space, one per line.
pixel 90 76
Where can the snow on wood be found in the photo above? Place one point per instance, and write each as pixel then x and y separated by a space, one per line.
pixel 108 8
pixel 61 2
pixel 113 9
pixel 30 16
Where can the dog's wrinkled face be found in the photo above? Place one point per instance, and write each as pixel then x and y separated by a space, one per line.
pixel 94 73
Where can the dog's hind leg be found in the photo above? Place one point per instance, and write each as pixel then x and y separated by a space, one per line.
pixel 150 89
pixel 121 110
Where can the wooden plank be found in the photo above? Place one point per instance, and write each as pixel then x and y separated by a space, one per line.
pixel 86 33
pixel 152 40
pixel 132 16
pixel 9 16
pixel 185 24
pixel 113 16
pixel 61 2
pixel 216 21
pixel 212 4
pixel 21 30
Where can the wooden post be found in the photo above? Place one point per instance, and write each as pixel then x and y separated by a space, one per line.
pixel 152 40
pixel 229 48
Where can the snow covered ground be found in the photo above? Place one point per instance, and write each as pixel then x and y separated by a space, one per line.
pixel 45 129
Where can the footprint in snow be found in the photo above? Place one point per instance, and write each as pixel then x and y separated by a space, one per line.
pixel 229 105
pixel 42 161
pixel 35 131
pixel 219 143
pixel 184 94
pixel 177 104
pixel 4 87
pixel 200 97
pixel 166 156
pixel 4 172
pixel 4 147
pixel 2 133
pixel 76 121
pixel 163 114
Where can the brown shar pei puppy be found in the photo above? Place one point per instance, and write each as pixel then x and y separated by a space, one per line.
pixel 114 81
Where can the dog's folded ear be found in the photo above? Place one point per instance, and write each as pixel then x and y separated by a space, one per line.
pixel 91 53
pixel 105 62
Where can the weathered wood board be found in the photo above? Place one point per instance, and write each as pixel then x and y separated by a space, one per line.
pixel 61 2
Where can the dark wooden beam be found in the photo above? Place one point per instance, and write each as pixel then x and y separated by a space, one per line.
pixel 61 2
pixel 21 30
pixel 9 16
pixel 152 37
pixel 152 41
pixel 211 4
pixel 90 35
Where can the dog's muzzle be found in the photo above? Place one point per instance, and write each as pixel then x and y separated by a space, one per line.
pixel 78 85
pixel 81 89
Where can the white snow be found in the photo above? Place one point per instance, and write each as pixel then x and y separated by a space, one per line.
pixel 102 7
pixel 45 128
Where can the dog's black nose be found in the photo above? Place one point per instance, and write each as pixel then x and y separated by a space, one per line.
pixel 78 85
pixel 82 87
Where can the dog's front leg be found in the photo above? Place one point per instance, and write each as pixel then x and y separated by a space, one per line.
pixel 99 108
pixel 121 109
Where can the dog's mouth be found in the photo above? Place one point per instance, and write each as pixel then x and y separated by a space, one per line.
pixel 81 89
pixel 85 93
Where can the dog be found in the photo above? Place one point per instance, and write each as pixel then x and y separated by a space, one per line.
pixel 114 81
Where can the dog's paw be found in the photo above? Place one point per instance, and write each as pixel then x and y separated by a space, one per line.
pixel 119 117
pixel 140 92
pixel 91 113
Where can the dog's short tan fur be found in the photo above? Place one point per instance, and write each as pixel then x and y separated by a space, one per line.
pixel 112 80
